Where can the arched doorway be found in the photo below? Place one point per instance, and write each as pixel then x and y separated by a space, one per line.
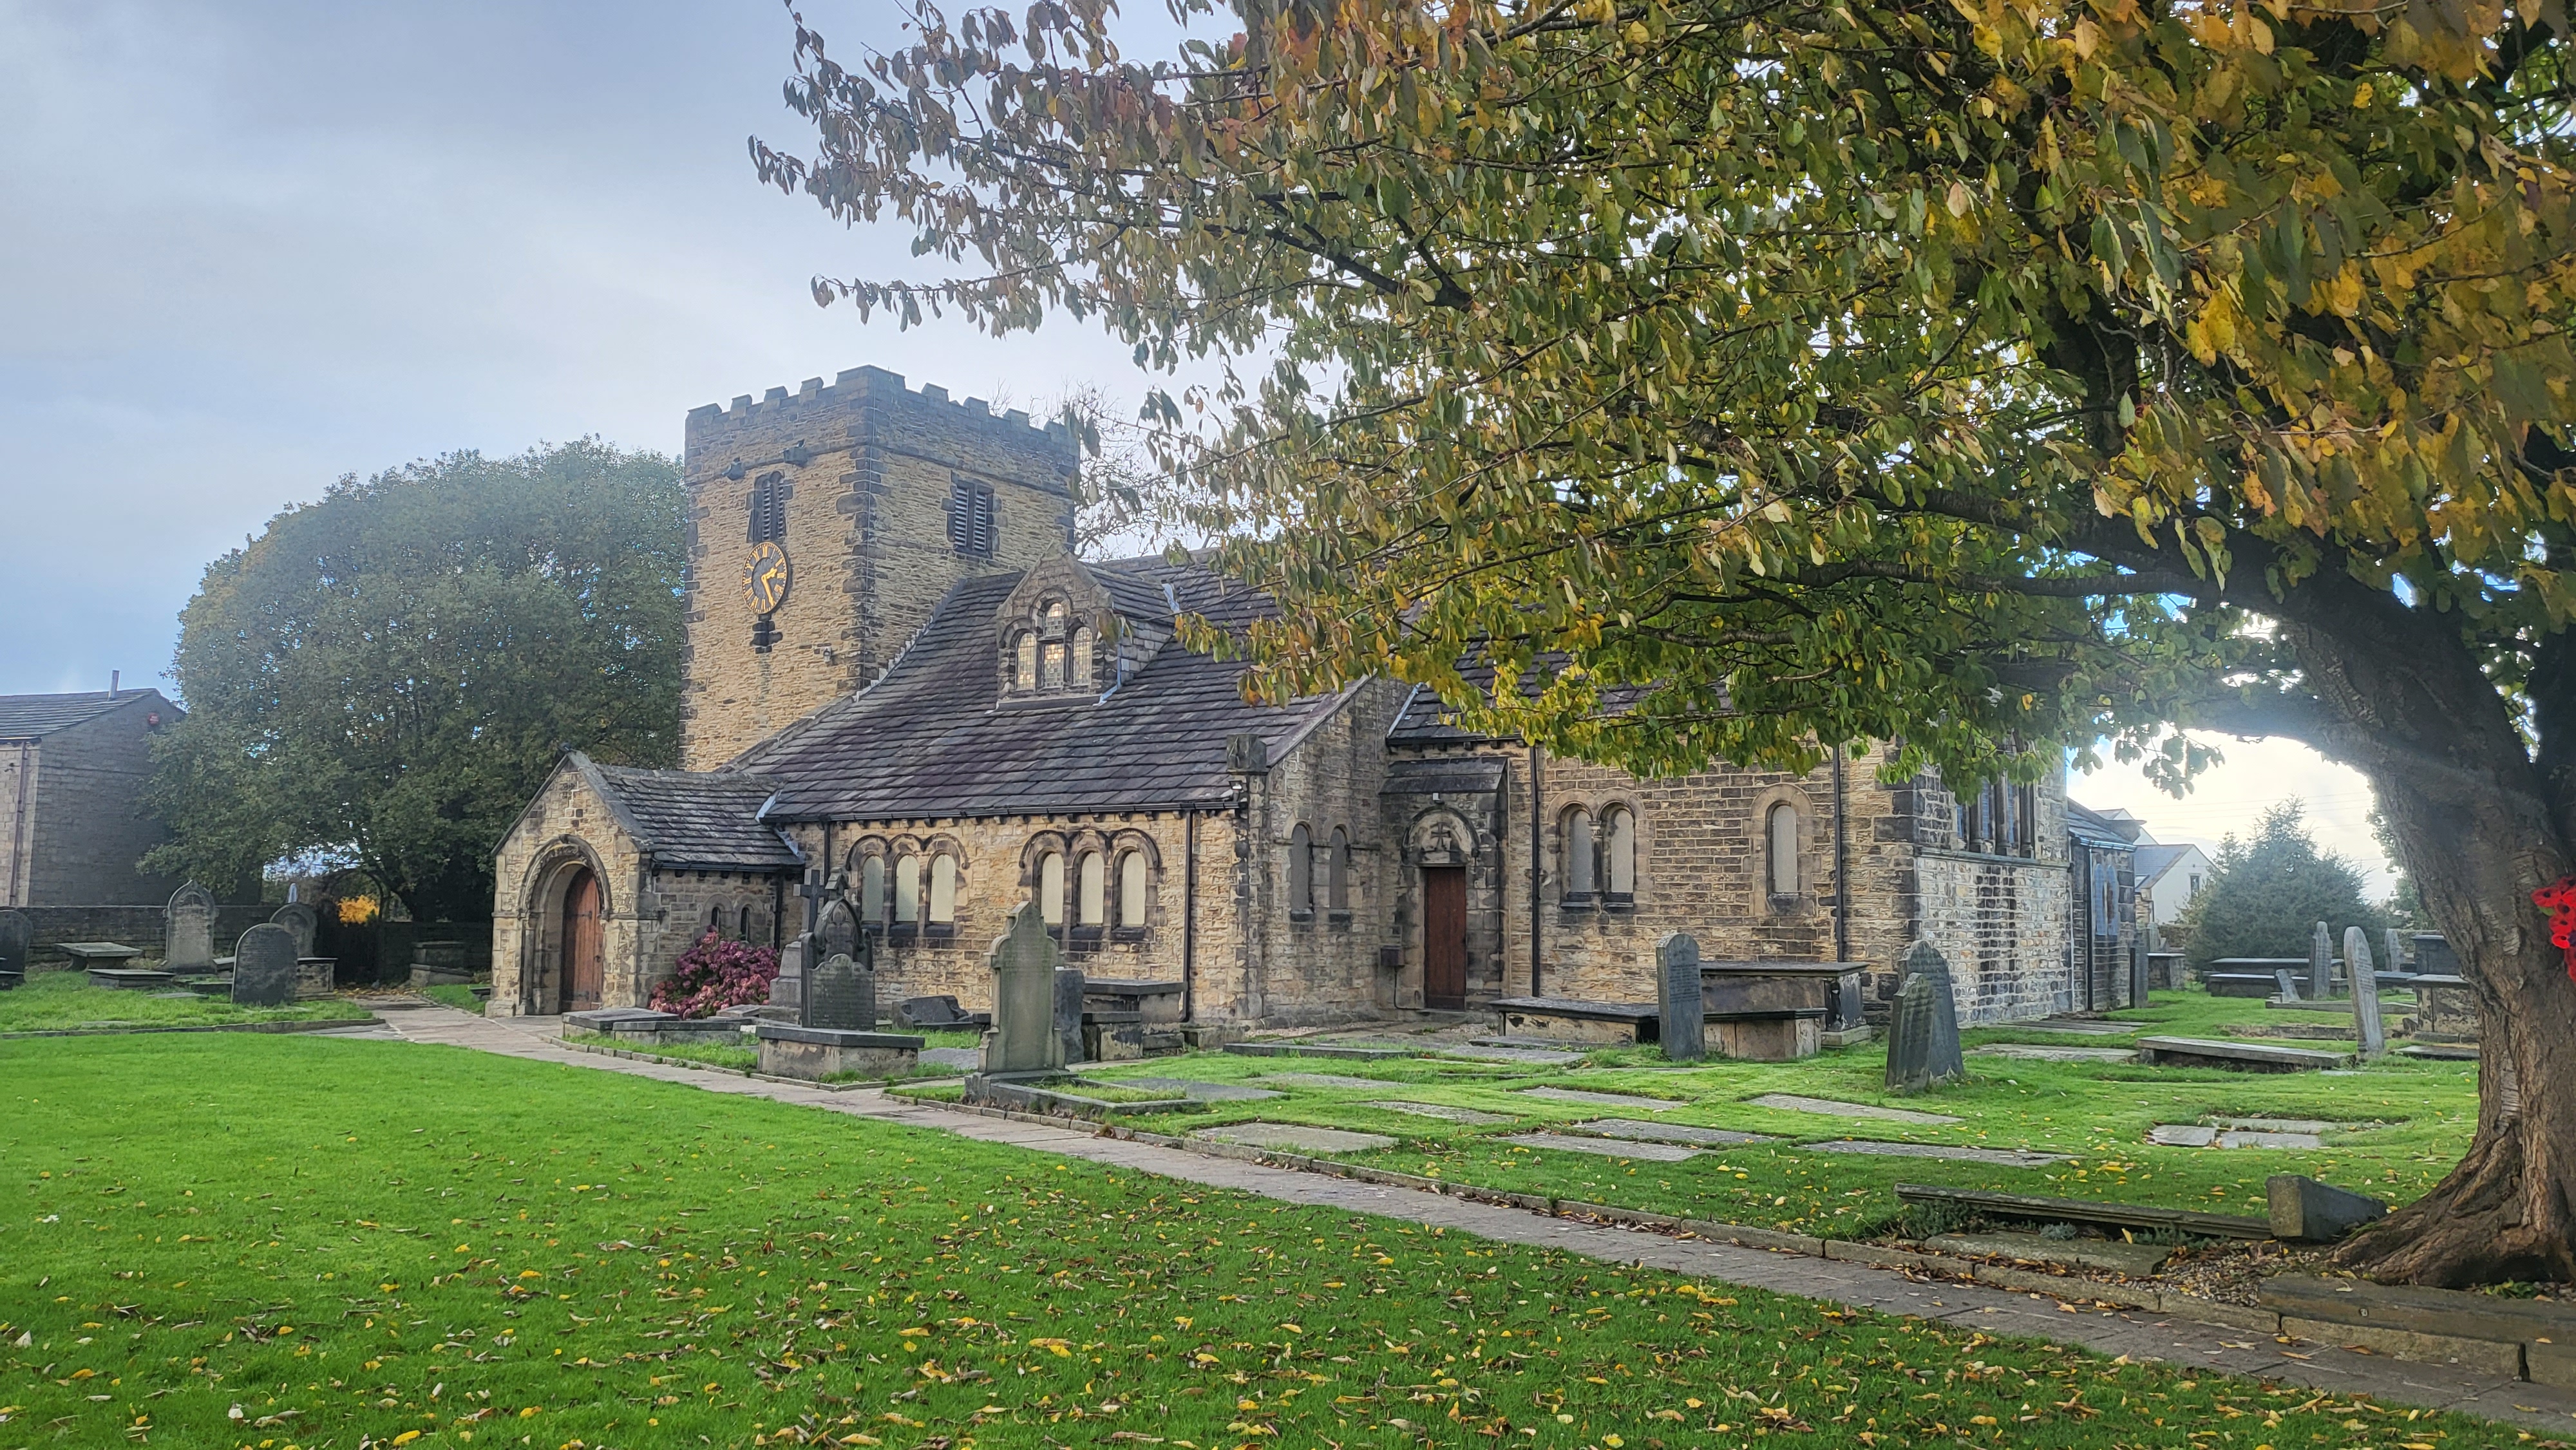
pixel 585 962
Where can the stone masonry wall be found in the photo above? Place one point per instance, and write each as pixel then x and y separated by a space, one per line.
pixel 1298 965
pixel 869 468
pixel 87 824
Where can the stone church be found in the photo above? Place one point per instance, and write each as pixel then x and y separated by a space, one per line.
pixel 902 681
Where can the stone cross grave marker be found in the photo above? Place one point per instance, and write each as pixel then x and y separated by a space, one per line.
pixel 264 966
pixel 841 993
pixel 299 918
pixel 17 939
pixel 1068 1012
pixel 188 930
pixel 2365 994
pixel 1682 1007
pixel 2320 964
pixel 1923 1037
pixel 1023 961
pixel 836 931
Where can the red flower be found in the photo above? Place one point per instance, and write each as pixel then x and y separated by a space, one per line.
pixel 715 974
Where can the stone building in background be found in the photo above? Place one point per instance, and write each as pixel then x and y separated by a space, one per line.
pixel 72 818
pixel 900 680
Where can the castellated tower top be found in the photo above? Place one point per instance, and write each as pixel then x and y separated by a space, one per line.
pixel 826 523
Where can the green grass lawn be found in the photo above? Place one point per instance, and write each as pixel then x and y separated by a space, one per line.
pixel 52 1001
pixel 314 1243
pixel 2403 1124
pixel 456 995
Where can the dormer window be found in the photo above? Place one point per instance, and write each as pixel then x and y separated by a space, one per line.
pixel 1051 651
pixel 1025 678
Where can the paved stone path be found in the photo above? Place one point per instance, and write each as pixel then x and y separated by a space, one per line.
pixel 2112 1332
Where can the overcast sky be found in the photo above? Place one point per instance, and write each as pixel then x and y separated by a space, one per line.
pixel 252 246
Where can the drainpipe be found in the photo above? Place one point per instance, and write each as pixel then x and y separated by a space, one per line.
pixel 1538 852
pixel 1842 866
pixel 1190 916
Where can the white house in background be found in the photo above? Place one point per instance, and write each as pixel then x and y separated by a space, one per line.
pixel 2169 877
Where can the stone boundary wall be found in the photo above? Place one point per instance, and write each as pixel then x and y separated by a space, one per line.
pixel 134 926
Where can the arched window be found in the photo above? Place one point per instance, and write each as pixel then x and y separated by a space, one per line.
pixel 1081 659
pixel 1301 869
pixel 907 891
pixel 1051 666
pixel 1091 879
pixel 1581 875
pixel 1131 889
pixel 1025 677
pixel 943 889
pixel 1337 871
pixel 1051 888
pixel 1619 848
pixel 872 891
pixel 1782 832
pixel 745 933
pixel 1055 619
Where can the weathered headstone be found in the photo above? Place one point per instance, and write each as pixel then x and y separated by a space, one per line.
pixel 1023 961
pixel 841 993
pixel 2365 993
pixel 1068 1012
pixel 2433 955
pixel 836 930
pixel 299 918
pixel 17 939
pixel 2288 984
pixel 2396 951
pixel 1923 1036
pixel 188 930
pixel 794 959
pixel 1682 1006
pixel 2320 964
pixel 2302 1209
pixel 2141 969
pixel 264 966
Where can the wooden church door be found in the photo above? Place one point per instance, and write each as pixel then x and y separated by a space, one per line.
pixel 1444 937
pixel 585 960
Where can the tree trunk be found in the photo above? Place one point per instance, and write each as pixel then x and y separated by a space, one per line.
pixel 2480 828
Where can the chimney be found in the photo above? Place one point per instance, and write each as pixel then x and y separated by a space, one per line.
pixel 113 677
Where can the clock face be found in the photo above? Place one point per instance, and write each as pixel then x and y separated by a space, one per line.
pixel 765 578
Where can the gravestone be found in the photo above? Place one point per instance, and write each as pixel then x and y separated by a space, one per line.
pixel 841 993
pixel 2288 984
pixel 2396 951
pixel 2365 994
pixel 299 918
pixel 1024 1037
pixel 836 930
pixel 2320 964
pixel 2304 1210
pixel 1923 1037
pixel 17 939
pixel 1068 1012
pixel 188 930
pixel 264 966
pixel 793 960
pixel 1680 1002
pixel 2433 955
pixel 2142 969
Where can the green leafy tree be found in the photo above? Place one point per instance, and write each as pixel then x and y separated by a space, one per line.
pixel 2265 895
pixel 384 677
pixel 1981 375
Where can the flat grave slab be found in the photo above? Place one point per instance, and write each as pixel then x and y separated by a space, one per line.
pixel 2031 1052
pixel 1442 1111
pixel 2076 1210
pixel 1297 1136
pixel 2247 1056
pixel 2083 1026
pixel 2442 1051
pixel 1195 1091
pixel 2282 1125
pixel 2182 1135
pixel 1524 1056
pixel 1324 1080
pixel 1948 1152
pixel 1635 1131
pixel 129 979
pixel 1600 1100
pixel 2202 1135
pixel 2137 1260
pixel 1317 1049
pixel 99 953
pixel 1603 1147
pixel 1792 1103
pixel 964 1059
pixel 2238 1138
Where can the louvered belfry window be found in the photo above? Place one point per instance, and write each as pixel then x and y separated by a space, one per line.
pixel 769 509
pixel 970 519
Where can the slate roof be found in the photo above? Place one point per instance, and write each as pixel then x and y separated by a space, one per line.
pixel 2093 827
pixel 1424 721
pixel 2156 860
pixel 934 738
pixel 695 821
pixel 28 717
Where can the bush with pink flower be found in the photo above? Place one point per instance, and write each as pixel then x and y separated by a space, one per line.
pixel 715 974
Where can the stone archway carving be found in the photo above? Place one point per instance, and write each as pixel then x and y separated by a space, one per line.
pixel 541 898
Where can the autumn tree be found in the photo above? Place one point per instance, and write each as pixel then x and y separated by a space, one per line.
pixel 1982 376
pixel 384 677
